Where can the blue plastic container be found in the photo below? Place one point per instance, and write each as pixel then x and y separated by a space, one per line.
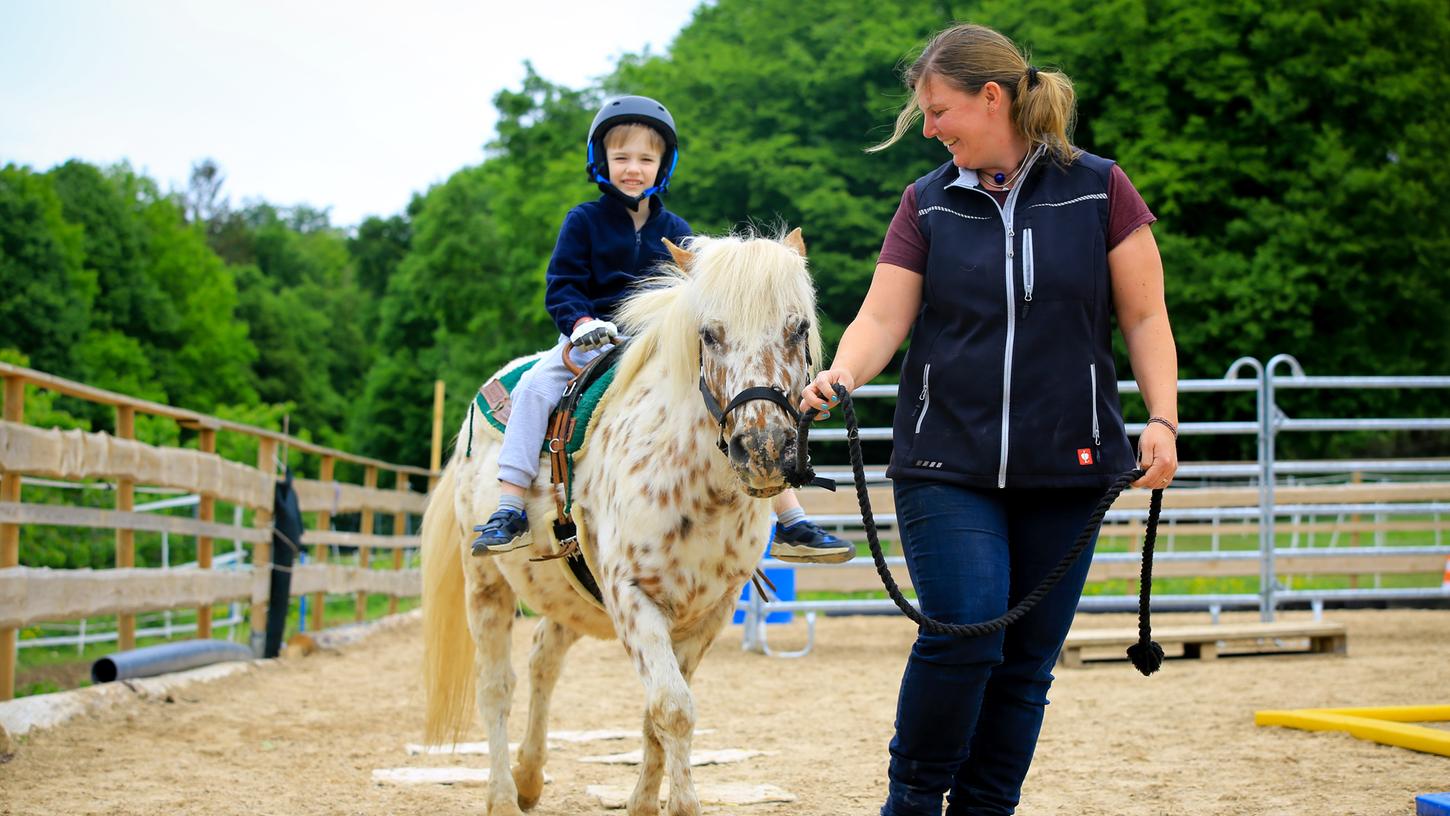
pixel 1432 804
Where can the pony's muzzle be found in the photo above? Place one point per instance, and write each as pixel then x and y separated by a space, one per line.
pixel 759 455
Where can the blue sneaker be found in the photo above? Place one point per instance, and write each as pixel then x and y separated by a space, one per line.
pixel 808 541
pixel 503 532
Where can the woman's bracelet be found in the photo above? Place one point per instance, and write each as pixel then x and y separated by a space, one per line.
pixel 1165 423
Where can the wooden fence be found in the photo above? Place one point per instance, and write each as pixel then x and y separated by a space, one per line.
pixel 29 595
pixel 1348 560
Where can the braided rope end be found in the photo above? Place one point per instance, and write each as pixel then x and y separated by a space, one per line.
pixel 1147 656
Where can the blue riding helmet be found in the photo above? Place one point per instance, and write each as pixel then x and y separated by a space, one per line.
pixel 622 110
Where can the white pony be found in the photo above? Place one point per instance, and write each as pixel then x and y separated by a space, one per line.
pixel 672 524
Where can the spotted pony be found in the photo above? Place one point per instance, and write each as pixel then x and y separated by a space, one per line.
pixel 673 521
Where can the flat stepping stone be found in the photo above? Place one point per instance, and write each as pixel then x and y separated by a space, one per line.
pixel 463 777
pixel 418 749
pixel 614 798
pixel 697 758
pixel 605 734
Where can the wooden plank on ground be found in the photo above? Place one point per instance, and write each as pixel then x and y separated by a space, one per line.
pixel 1204 641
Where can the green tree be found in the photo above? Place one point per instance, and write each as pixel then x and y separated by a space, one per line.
pixel 48 289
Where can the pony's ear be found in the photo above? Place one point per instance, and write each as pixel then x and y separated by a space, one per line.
pixel 683 258
pixel 795 242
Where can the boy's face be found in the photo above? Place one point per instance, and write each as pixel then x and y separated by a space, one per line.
pixel 634 162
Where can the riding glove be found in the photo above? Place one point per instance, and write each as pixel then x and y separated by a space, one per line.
pixel 592 334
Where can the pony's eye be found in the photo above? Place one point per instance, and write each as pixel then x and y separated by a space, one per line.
pixel 801 331
pixel 709 338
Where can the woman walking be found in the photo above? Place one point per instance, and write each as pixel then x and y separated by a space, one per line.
pixel 1006 267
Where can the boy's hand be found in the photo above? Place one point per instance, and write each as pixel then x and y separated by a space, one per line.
pixel 591 334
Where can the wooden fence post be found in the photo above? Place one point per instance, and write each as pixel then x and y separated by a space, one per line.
pixel 400 527
pixel 262 550
pixel 365 527
pixel 319 551
pixel 206 511
pixel 435 457
pixel 125 539
pixel 10 535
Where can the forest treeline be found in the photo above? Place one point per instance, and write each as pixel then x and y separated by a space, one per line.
pixel 1295 157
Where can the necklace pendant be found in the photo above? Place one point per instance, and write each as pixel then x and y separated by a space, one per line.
pixel 999 179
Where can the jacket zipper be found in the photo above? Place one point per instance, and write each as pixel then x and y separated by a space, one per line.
pixel 1011 313
pixel 1093 373
pixel 1029 272
pixel 925 396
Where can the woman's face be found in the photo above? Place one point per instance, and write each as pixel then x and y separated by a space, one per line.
pixel 959 120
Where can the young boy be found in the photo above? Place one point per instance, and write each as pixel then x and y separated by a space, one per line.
pixel 604 247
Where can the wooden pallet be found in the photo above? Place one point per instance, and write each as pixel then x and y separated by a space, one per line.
pixel 1205 642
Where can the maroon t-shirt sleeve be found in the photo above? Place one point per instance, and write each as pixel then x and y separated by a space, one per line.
pixel 1126 209
pixel 904 245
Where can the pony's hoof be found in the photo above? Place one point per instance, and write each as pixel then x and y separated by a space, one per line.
pixel 504 807
pixel 530 786
pixel 680 806
pixel 641 807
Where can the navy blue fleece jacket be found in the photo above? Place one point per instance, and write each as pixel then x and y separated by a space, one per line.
pixel 599 256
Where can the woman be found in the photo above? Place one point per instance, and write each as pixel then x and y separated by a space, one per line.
pixel 1006 265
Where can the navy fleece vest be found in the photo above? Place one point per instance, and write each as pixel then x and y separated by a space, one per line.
pixel 1009 380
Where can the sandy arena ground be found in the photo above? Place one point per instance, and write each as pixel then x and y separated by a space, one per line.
pixel 303 736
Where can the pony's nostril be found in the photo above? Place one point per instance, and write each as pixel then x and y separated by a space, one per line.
pixel 738 453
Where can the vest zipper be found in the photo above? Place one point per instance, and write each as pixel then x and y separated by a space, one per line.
pixel 925 396
pixel 1011 275
pixel 1029 272
pixel 1093 373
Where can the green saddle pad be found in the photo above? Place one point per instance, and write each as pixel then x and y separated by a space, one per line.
pixel 509 380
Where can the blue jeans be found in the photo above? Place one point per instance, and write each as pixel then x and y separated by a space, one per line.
pixel 970 709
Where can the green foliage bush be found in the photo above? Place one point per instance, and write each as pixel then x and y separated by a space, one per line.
pixel 1292 154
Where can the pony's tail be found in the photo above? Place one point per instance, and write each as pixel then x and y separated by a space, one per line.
pixel 448 676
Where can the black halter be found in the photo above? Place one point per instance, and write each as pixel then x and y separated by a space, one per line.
pixel 797 472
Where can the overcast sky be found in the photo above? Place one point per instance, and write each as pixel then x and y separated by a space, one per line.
pixel 351 106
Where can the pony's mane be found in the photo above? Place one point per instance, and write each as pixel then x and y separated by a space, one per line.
pixel 745 282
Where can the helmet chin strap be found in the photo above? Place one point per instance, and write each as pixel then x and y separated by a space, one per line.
pixel 629 201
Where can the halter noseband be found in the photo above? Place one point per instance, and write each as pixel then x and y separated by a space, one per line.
pixel 797 472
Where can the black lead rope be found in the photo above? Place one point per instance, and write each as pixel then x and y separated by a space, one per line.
pixel 1147 656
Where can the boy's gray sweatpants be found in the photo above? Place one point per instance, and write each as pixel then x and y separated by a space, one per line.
pixel 533 399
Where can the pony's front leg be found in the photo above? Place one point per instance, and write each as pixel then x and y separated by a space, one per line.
pixel 490 617
pixel 669 708
pixel 546 660
pixel 689 650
